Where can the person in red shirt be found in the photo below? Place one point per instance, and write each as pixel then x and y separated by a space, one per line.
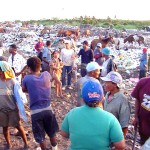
pixel 142 108
pixel 40 45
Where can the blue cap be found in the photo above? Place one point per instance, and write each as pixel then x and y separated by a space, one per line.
pixel 106 51
pixel 91 91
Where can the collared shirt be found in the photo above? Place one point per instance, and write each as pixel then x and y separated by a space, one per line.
pixel 18 62
pixel 86 56
pixel 119 106
pixel 46 54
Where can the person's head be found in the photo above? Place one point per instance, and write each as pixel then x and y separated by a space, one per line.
pixel 56 54
pixel 13 49
pixel 99 45
pixel 112 81
pixel 34 63
pixel 93 69
pixel 6 71
pixel 85 44
pixel 40 39
pixel 48 43
pixel 61 40
pixel 92 93
pixel 106 52
pixel 67 44
pixel 145 50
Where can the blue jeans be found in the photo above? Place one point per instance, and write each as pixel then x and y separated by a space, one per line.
pixel 67 69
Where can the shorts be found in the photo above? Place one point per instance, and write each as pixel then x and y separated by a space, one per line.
pixel 44 122
pixel 10 118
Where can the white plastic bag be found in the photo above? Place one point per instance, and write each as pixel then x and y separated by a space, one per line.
pixel 20 100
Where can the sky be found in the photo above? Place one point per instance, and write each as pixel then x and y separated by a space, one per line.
pixel 11 10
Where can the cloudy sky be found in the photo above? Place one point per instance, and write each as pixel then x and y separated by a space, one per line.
pixel 40 9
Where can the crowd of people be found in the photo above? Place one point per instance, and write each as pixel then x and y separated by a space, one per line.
pixel 101 118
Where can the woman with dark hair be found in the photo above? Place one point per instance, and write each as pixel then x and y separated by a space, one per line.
pixel 89 126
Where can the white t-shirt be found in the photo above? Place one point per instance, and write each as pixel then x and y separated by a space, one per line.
pixel 18 63
pixel 67 56
pixel 104 70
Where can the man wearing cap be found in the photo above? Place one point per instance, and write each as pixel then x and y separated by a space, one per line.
pixel 89 126
pixel 67 56
pixel 115 101
pixel 86 56
pixel 93 72
pixel 108 64
pixel 98 54
pixel 143 64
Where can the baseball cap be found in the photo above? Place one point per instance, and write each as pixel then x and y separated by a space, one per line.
pixel 93 66
pixel 106 51
pixel 99 45
pixel 144 49
pixel 114 77
pixel 92 91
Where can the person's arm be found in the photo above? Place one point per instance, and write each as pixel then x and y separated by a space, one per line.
pixel 120 145
pixel 61 65
pixel 116 134
pixel 44 59
pixel 92 56
pixel 65 127
pixel 124 115
pixel 64 134
pixel 44 55
pixel 24 68
pixel 136 114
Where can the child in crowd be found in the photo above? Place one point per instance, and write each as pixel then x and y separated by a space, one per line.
pixel 38 85
pixel 57 66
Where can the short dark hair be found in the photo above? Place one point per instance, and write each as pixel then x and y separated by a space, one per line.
pixel 48 43
pixel 93 103
pixel 85 42
pixel 34 63
pixel 13 46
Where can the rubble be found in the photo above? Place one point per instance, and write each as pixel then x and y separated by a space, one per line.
pixel 26 38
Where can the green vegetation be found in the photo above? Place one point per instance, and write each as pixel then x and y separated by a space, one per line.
pixel 114 23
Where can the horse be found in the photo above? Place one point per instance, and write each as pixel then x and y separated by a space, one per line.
pixel 46 30
pixel 86 33
pixel 134 38
pixel 103 40
pixel 2 30
pixel 65 33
